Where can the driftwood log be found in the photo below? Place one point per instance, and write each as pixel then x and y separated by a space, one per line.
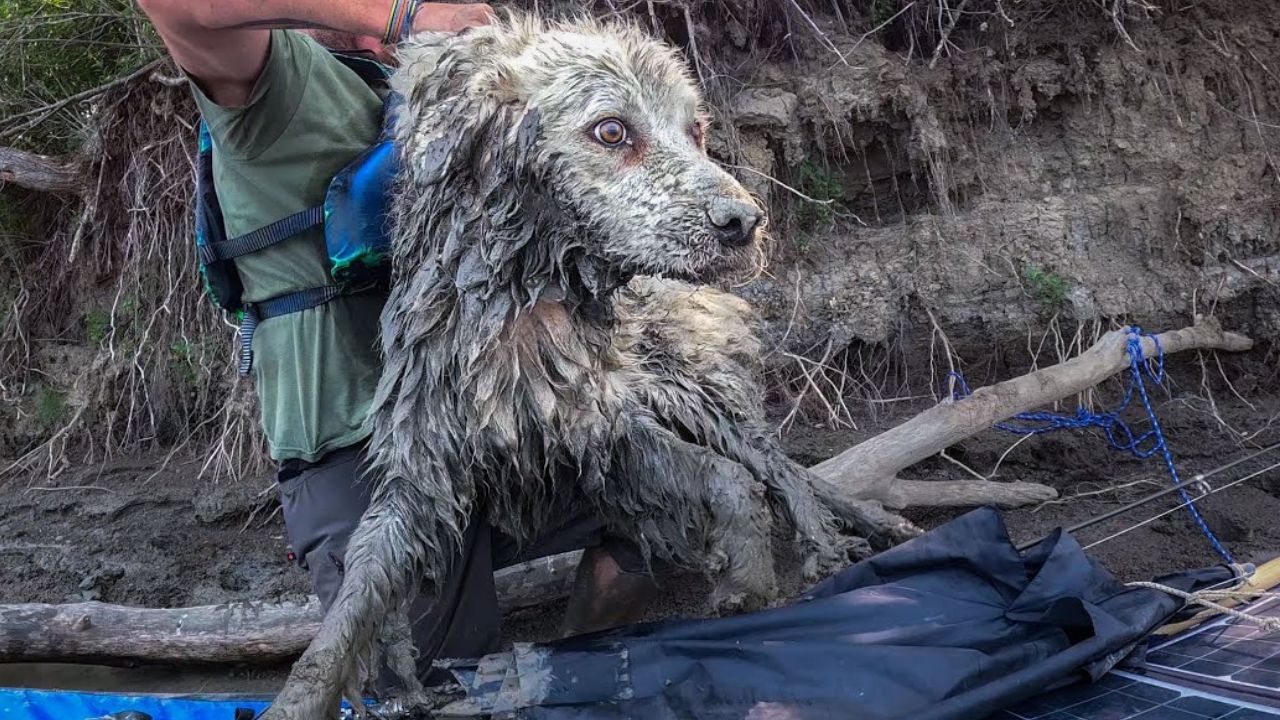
pixel 255 632
pixel 239 632
pixel 869 470
pixel 95 632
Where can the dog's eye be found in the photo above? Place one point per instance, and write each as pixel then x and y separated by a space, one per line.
pixel 611 132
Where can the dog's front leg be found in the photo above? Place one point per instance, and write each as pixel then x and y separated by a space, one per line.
pixel 329 668
pixel 711 420
pixel 731 426
pixel 379 568
pixel 692 506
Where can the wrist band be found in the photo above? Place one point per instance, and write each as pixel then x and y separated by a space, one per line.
pixel 400 21
pixel 407 25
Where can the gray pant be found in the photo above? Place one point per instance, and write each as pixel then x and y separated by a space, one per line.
pixel 323 503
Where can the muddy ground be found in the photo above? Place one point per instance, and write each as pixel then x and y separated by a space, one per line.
pixel 150 533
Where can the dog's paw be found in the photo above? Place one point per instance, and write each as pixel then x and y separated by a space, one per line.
pixel 854 549
pixel 314 688
pixel 291 711
pixel 833 553
pixel 418 703
pixel 729 602
pixel 735 601
pixel 716 561
pixel 741 592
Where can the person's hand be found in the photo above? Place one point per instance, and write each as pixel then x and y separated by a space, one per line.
pixel 448 17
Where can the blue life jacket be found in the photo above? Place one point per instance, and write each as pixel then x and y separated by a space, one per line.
pixel 353 216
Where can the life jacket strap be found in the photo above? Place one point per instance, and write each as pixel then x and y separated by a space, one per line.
pixel 263 237
pixel 255 313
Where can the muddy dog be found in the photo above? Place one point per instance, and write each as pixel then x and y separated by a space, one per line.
pixel 534 364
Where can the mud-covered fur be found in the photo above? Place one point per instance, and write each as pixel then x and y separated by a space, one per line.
pixel 530 371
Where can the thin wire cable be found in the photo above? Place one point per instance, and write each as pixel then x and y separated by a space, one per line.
pixel 1197 484
pixel 1236 462
pixel 1181 505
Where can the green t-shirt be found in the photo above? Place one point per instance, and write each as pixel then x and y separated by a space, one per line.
pixel 307 117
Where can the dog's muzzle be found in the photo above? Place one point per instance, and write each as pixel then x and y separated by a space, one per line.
pixel 734 222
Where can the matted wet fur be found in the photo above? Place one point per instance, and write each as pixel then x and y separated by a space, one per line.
pixel 532 369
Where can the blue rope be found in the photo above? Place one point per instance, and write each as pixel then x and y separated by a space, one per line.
pixel 1119 434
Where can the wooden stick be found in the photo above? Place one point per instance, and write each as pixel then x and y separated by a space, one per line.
pixel 1266 577
pixel 966 493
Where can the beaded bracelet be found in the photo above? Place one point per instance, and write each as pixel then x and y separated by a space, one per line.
pixel 400 21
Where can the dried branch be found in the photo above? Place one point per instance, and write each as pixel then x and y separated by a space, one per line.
pixel 868 470
pixel 35 116
pixel 946 34
pixel 41 173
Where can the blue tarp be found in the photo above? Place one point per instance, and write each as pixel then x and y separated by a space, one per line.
pixel 954 625
pixel 60 705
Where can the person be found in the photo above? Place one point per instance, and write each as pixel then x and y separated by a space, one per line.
pixel 284 115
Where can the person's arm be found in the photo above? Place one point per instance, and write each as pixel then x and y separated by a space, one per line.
pixel 224 43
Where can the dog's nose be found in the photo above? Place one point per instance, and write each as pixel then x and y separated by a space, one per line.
pixel 734 221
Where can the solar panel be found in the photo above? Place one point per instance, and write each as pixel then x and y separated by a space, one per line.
pixel 1226 668
pixel 1227 653
pixel 1122 696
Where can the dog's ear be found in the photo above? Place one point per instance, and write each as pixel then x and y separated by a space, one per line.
pixel 467 141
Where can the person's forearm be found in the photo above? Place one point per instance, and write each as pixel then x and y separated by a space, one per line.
pixel 224 43
pixel 359 17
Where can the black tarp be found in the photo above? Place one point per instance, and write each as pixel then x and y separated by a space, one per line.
pixel 954 624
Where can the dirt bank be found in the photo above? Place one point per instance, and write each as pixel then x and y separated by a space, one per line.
pixel 1042 171
pixel 1047 168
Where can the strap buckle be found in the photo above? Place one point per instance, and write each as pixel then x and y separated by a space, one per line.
pixel 206 253
pixel 255 313
pixel 249 320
